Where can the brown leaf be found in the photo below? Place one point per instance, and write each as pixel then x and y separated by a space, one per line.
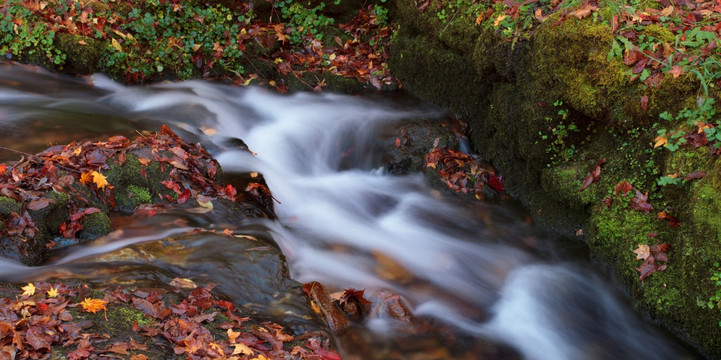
pixel 695 175
pixel 583 11
pixel 644 102
pixel 37 339
pixel 623 187
pixel 40 203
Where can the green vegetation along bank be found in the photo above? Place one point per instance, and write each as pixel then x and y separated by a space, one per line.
pixel 603 117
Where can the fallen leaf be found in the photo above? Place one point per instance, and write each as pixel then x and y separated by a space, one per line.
pixel 28 290
pixel 499 19
pixel 660 141
pixel 676 71
pixel 242 349
pixel 623 187
pixel 53 292
pixel 666 11
pixel 642 252
pixel 644 102
pixel 41 203
pixel 86 178
pixel 99 180
pixel 93 305
pixel 695 175
pixel 183 283
pixel 583 11
pixel 116 45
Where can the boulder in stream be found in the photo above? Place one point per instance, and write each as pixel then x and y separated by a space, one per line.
pixel 68 193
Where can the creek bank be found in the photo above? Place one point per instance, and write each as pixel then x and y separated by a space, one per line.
pixel 288 46
pixel 162 315
pixel 546 109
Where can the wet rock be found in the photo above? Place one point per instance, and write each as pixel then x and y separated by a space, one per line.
pixel 412 140
pixel 69 192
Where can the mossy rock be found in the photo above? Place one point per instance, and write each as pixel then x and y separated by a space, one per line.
pixel 505 92
pixel 84 54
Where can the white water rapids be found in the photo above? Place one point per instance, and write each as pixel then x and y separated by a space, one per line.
pixel 347 224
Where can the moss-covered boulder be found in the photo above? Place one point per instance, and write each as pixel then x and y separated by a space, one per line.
pixel 552 104
pixel 67 194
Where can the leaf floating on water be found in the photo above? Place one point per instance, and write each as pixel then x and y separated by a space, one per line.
pixel 183 283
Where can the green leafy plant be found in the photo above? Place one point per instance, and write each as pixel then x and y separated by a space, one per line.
pixel 302 21
pixel 558 134
pixel 715 300
pixel 23 34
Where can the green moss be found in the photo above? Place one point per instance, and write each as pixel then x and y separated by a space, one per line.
pixel 140 194
pixel 8 205
pixel 134 183
pixel 94 226
pixel 84 54
pixel 572 57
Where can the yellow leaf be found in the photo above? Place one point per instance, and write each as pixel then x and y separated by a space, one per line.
pixel 196 47
pixel 660 141
pixel 81 42
pixel 116 45
pixel 499 19
pixel 232 335
pixel 53 292
pixel 120 33
pixel 86 178
pixel 642 252
pixel 183 283
pixel 702 126
pixel 28 290
pixel 242 349
pixel 277 61
pixel 99 179
pixel 207 205
pixel 260 357
pixel 93 305
pixel 243 32
pixel 77 150
pixel 668 10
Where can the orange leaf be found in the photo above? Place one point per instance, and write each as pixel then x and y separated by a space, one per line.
pixel 93 305
pixel 660 141
pixel 99 180
pixel 86 178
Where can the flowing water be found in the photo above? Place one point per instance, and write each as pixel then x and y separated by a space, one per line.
pixel 478 270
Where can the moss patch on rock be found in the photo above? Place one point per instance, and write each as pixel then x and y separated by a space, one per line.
pixel 546 111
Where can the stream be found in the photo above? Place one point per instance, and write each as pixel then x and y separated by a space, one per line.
pixel 476 270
